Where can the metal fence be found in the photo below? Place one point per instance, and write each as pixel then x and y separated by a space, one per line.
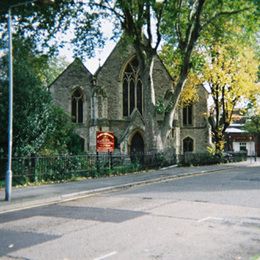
pixel 190 158
pixel 63 167
pixel 67 167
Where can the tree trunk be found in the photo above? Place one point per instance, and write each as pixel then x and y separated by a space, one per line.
pixel 219 142
pixel 218 134
pixel 153 139
pixel 168 118
pixel 192 35
pixel 156 137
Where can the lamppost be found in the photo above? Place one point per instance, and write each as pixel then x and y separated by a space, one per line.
pixel 8 179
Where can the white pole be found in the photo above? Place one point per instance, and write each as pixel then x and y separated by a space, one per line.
pixel 8 182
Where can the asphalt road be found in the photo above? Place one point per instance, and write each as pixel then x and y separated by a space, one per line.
pixel 211 216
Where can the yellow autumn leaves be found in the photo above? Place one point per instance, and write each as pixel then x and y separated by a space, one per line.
pixel 231 70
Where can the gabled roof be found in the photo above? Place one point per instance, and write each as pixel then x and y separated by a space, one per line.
pixel 76 62
pixel 108 57
pixel 121 40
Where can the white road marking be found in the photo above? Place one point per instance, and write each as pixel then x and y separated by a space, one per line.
pixel 209 218
pixel 106 256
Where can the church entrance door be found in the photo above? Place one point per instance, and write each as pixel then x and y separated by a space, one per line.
pixel 137 148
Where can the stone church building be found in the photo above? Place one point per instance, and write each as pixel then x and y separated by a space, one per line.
pixel 112 100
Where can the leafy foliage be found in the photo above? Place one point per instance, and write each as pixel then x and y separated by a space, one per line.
pixel 221 56
pixel 39 126
pixel 173 62
pixel 186 25
pixel 231 74
pixel 44 23
pixel 253 124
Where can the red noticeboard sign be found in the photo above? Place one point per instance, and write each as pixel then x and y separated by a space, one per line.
pixel 105 142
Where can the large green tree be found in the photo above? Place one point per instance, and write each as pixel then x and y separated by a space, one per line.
pixel 143 21
pixel 39 126
pixel 223 59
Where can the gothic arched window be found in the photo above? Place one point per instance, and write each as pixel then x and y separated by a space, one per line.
pixel 187 144
pixel 187 116
pixel 132 89
pixel 77 106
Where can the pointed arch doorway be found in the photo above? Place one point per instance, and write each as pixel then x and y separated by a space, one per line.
pixel 137 148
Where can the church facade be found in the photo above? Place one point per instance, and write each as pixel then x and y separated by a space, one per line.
pixel 112 100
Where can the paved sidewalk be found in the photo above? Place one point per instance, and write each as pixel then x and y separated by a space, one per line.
pixel 34 196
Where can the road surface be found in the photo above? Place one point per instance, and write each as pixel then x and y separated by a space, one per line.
pixel 211 216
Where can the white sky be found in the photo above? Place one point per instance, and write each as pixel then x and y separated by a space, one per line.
pixel 93 63
pixel 100 54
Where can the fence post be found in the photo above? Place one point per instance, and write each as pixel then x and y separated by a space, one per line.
pixel 185 157
pixel 2 165
pixel 111 160
pixel 97 162
pixel 33 164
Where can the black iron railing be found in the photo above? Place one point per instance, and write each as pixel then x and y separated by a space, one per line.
pixel 69 167
pixel 64 167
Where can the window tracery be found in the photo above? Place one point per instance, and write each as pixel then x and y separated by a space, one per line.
pixel 187 113
pixel 132 89
pixel 77 106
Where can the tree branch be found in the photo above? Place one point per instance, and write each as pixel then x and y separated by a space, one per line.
pixel 108 7
pixel 192 37
pixel 159 18
pixel 148 21
pixel 223 13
